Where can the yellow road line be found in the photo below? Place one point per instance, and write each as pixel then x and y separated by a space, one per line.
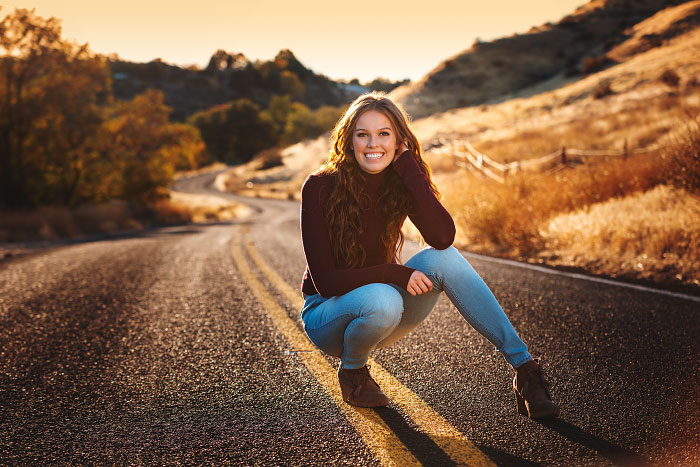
pixel 375 433
pixel 447 437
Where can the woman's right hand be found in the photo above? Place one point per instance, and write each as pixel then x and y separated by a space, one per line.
pixel 400 150
pixel 419 284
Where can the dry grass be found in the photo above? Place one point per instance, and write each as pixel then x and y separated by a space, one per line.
pixel 616 216
pixel 506 218
pixel 635 122
pixel 652 235
pixel 54 222
pixel 684 158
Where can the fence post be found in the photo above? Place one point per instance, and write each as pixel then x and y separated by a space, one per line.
pixel 626 153
pixel 563 155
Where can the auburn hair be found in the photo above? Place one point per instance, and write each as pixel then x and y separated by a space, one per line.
pixel 346 196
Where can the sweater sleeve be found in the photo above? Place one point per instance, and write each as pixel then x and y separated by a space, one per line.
pixel 429 215
pixel 327 278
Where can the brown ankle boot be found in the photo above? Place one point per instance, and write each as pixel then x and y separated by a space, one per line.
pixel 359 389
pixel 532 392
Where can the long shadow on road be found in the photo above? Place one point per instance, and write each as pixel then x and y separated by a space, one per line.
pixel 420 444
pixel 430 454
pixel 615 454
pixel 427 451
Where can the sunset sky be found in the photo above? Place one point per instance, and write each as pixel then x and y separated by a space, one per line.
pixel 354 39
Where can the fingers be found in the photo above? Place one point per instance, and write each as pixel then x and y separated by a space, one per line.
pixel 422 287
pixel 419 284
pixel 401 149
pixel 424 283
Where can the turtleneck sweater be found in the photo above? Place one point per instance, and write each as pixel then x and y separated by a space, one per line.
pixel 322 275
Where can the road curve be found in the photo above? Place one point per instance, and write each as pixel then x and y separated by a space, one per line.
pixel 174 346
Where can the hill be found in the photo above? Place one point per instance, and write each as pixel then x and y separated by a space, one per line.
pixel 229 76
pixel 547 56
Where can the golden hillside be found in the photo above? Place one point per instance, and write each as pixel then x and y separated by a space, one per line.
pixel 545 57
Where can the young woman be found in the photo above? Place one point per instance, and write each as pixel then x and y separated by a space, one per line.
pixel 357 296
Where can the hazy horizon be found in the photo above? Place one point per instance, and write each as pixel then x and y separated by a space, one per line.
pixel 363 39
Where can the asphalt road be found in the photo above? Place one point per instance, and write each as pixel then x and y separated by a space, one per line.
pixel 164 347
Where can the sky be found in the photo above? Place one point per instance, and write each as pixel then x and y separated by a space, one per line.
pixel 362 39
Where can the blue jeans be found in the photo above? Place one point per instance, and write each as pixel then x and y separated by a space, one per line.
pixel 350 326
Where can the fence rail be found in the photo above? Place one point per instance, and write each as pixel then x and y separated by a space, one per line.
pixel 468 157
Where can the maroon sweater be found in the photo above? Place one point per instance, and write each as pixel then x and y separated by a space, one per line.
pixel 323 276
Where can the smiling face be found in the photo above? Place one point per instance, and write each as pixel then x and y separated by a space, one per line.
pixel 374 141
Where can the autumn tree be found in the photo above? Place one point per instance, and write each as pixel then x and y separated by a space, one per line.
pixel 49 94
pixel 190 151
pixel 64 140
pixel 140 149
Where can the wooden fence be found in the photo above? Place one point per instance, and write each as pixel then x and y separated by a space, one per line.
pixel 470 158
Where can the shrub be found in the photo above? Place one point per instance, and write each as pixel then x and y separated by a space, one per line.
pixel 602 89
pixel 593 64
pixel 671 78
pixel 685 159
pixel 646 235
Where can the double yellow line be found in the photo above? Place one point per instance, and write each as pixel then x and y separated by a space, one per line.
pixel 375 433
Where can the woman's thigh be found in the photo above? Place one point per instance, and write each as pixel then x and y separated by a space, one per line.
pixel 325 322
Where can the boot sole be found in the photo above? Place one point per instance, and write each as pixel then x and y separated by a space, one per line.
pixel 366 405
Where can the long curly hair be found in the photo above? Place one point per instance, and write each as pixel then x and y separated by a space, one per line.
pixel 346 197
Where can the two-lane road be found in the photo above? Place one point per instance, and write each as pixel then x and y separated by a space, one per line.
pixel 182 345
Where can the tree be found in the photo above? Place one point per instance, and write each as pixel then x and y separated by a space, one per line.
pixel 292 85
pixel 277 112
pixel 139 149
pixel 190 152
pixel 301 123
pixel 235 132
pixel 327 116
pixel 49 91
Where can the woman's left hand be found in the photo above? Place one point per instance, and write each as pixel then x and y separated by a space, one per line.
pixel 418 283
pixel 402 147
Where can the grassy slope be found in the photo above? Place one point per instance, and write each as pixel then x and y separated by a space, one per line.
pixel 489 72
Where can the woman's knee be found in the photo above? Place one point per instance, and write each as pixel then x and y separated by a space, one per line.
pixel 383 304
pixel 434 260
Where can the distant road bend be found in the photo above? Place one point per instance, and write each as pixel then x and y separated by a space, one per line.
pixel 182 345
